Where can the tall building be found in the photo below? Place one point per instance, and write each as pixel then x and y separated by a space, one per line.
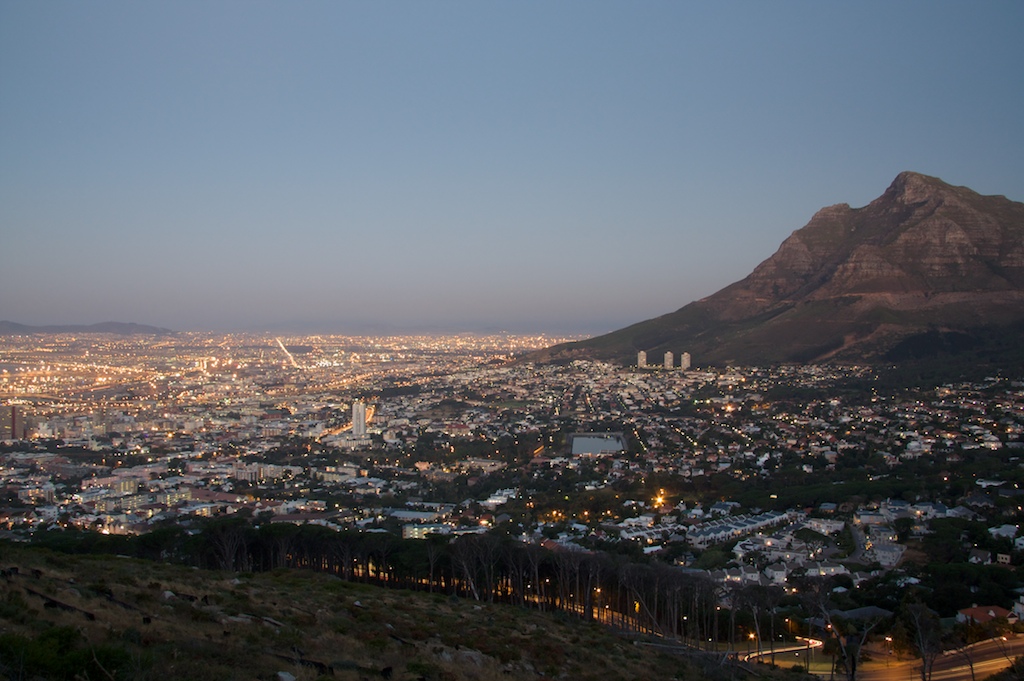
pixel 641 359
pixel 684 361
pixel 12 423
pixel 668 360
pixel 359 418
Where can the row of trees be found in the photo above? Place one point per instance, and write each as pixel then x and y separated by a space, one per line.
pixel 612 589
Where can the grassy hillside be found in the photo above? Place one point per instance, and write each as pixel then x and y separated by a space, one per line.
pixel 96 617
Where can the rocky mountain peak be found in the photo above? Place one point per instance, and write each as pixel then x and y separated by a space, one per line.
pixel 855 282
pixel 910 186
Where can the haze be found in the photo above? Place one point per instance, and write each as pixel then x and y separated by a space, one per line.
pixel 567 167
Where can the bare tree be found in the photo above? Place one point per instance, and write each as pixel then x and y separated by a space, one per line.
pixel 848 636
pixel 227 537
pixel 465 560
pixel 435 548
pixel 961 641
pixel 926 633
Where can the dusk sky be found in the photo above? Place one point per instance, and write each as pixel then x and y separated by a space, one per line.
pixel 570 167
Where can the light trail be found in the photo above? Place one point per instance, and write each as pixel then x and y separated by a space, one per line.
pixel 287 354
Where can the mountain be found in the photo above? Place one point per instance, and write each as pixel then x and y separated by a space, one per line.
pixel 118 328
pixel 925 270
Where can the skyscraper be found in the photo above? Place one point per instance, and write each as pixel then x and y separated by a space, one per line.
pixel 359 419
pixel 641 359
pixel 12 423
pixel 684 361
pixel 668 360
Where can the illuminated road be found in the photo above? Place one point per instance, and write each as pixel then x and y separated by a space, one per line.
pixel 806 645
pixel 989 657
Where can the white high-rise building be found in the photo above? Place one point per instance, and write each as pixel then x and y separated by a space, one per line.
pixel 359 419
pixel 668 360
pixel 684 361
pixel 641 359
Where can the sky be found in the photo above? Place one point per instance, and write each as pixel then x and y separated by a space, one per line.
pixel 563 167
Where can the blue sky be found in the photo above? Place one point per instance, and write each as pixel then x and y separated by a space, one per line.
pixel 569 166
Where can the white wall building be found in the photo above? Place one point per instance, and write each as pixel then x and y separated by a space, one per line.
pixel 359 419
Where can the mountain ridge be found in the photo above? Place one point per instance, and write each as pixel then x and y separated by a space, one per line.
pixel 851 285
pixel 9 328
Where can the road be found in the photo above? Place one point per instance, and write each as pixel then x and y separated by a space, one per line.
pixel 859 555
pixel 989 657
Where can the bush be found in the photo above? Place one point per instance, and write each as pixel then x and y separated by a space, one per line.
pixel 60 653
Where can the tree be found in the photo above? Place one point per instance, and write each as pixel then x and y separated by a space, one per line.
pixel 903 526
pixel 848 635
pixel 227 538
pixel 926 635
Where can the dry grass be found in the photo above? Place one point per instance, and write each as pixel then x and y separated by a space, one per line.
pixel 172 622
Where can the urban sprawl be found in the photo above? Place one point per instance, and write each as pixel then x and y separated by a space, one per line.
pixel 755 476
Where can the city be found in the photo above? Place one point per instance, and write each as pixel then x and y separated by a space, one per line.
pixel 750 478
pixel 475 341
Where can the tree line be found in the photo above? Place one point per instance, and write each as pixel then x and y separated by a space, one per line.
pixel 615 590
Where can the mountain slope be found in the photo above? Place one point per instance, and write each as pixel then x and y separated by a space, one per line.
pixel 854 283
pixel 100 616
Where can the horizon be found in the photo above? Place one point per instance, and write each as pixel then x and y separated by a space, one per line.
pixel 569 169
pixel 322 329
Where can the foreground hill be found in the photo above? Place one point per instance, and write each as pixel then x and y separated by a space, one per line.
pixel 925 269
pixel 119 328
pixel 65 616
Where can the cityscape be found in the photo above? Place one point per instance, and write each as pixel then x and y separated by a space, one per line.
pixel 744 480
pixel 480 341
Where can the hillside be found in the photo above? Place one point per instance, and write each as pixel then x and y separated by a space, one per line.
pixel 926 269
pixel 118 617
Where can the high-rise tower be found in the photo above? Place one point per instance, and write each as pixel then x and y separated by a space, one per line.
pixel 359 418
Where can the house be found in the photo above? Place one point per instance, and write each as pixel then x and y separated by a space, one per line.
pixel 869 518
pixel 979 557
pixel 985 614
pixel 888 555
pixel 1003 531
pixel 777 573
pixel 1018 607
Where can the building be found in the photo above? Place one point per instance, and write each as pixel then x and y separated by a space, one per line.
pixel 684 361
pixel 12 423
pixel 596 444
pixel 641 359
pixel 414 531
pixel 359 419
pixel 984 614
pixel 669 360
